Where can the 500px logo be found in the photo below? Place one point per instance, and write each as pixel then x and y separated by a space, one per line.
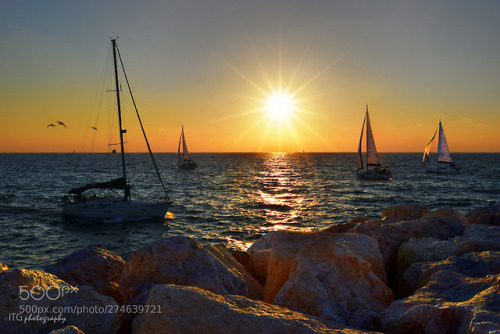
pixel 39 292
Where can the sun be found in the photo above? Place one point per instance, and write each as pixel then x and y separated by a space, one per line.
pixel 279 105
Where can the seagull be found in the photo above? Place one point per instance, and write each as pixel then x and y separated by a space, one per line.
pixel 61 123
pixel 93 127
pixel 51 125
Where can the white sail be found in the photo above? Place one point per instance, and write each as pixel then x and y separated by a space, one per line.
pixel 185 153
pixel 443 150
pixel 371 150
pixel 427 150
pixel 360 155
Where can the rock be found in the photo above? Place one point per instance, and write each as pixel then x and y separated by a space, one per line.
pixel 429 249
pixel 329 281
pixel 257 264
pixel 450 303
pixel 404 212
pixel 242 257
pixel 283 246
pixel 483 237
pixel 217 314
pixel 255 290
pixel 455 220
pixel 441 224
pixel 92 266
pixel 181 261
pixel 67 330
pixel 346 227
pixel 475 264
pixel 484 215
pixel 3 267
pixel 50 303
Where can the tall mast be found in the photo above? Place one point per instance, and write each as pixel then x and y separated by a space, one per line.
pixel 119 110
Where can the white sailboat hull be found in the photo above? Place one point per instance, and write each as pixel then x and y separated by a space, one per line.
pixel 116 208
pixel 441 169
pixel 378 173
pixel 187 165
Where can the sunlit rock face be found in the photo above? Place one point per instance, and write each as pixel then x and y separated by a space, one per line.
pixel 92 266
pixel 449 303
pixel 255 290
pixel 193 310
pixel 181 261
pixel 338 277
pixel 51 296
pixel 474 264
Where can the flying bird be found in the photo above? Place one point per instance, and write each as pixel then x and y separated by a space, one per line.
pixel 94 128
pixel 61 123
pixel 51 125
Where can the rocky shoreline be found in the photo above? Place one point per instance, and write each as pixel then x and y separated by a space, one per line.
pixel 412 271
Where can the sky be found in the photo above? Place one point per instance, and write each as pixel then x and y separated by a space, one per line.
pixel 216 66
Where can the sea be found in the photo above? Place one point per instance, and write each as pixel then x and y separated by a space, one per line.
pixel 231 198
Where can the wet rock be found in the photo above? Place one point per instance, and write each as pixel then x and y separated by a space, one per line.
pixel 33 301
pixel 217 314
pixel 92 266
pixel 404 212
pixel 450 303
pixel 475 264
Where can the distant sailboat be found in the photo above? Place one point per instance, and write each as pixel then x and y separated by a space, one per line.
pixel 183 159
pixel 372 169
pixel 443 164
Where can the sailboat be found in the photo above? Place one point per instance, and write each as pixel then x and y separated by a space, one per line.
pixel 443 163
pixel 372 169
pixel 183 159
pixel 115 208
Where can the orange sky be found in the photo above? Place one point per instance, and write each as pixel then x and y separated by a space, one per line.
pixel 413 64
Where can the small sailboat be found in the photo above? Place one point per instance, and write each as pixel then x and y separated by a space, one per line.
pixel 183 159
pixel 372 169
pixel 115 208
pixel 443 163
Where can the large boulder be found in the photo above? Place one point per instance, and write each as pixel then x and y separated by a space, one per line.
pixel 450 303
pixel 442 224
pixel 222 314
pixel 92 266
pixel 177 260
pixel 331 282
pixel 276 251
pixel 255 290
pixel 429 249
pixel 33 301
pixel 404 212
pixel 489 215
pixel 337 277
pixel 482 237
pixel 475 264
